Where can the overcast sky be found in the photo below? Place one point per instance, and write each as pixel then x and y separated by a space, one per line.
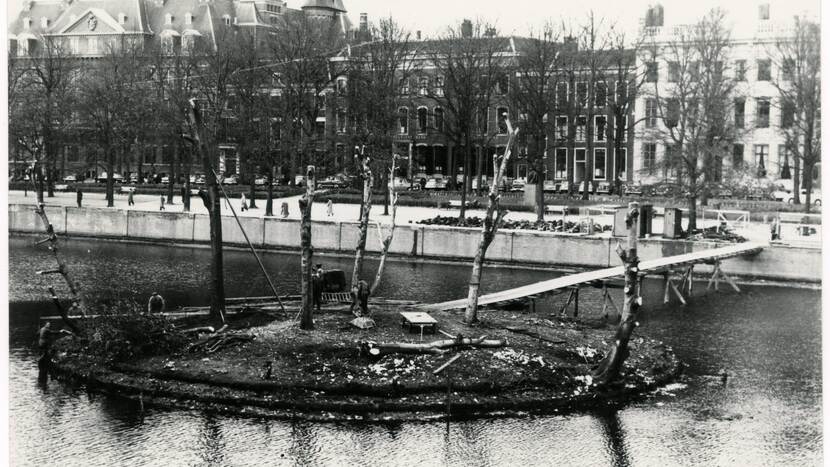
pixel 518 16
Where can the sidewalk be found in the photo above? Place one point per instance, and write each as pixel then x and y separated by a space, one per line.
pixel 754 231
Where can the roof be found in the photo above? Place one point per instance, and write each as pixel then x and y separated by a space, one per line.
pixel 63 16
pixel 336 5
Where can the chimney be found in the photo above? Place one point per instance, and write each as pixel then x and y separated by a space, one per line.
pixel 466 28
pixel 364 22
pixel 418 35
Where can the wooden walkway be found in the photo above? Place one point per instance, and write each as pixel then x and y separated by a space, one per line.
pixel 654 265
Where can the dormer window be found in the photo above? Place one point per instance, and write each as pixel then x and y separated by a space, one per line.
pixel 44 22
pixel 122 18
pixel 27 23
pixel 168 18
pixel 227 20
pixel 188 18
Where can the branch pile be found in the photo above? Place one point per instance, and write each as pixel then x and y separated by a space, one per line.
pixel 374 349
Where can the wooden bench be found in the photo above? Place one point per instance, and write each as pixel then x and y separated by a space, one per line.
pixel 418 320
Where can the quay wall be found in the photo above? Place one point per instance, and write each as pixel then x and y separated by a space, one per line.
pixel 430 242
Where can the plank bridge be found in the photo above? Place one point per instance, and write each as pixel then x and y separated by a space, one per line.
pixel 677 271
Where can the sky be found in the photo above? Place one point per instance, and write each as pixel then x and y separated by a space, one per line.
pixel 519 16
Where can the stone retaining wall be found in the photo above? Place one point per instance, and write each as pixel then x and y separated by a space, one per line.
pixel 437 242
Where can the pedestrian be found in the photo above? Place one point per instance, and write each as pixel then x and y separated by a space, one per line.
pixel 360 296
pixel 284 212
pixel 317 287
pixel 329 209
pixel 45 338
pixel 161 205
pixel 775 229
pixel 244 202
pixel 156 303
pixel 130 200
pixel 183 192
pixel 79 196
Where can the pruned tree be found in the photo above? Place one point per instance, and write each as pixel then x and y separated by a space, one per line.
pixel 533 95
pixel 492 220
pixel 694 105
pixel 798 57
pixel 386 241
pixel 609 368
pixel 307 251
pixel 368 181
pixel 469 60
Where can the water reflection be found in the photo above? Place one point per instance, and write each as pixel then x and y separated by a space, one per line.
pixel 614 434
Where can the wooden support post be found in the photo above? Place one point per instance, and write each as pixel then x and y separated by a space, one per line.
pixel 689 275
pixel 565 306
pixel 576 302
pixel 667 278
pixel 729 280
pixel 677 292
pixel 604 300
pixel 714 278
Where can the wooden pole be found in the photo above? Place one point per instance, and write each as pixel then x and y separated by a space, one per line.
pixel 307 309
pixel 251 246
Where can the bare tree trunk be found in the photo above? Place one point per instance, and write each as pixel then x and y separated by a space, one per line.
pixel 187 171
pixel 540 181
pixel 110 181
pixel 492 220
pixel 796 180
pixel 692 214
pixel 465 180
pixel 214 207
pixel 37 177
pixel 360 249
pixel 386 242
pixel 609 368
pixel 307 318
pixel 269 202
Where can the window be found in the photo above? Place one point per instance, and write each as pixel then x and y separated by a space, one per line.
pixel 787 114
pixel 674 72
pixel 227 20
pixel 423 86
pixel 122 18
pixel 737 156
pixel 761 158
pixel 622 92
pixel 763 11
pixel 403 121
pixel 651 113
pixel 740 109
pixel 649 157
pixel 579 155
pixel 422 120
pixel 694 71
pixel 188 18
pixel 622 161
pixel 72 154
pixel 562 94
pixel 651 72
pixel 600 127
pixel 717 73
pixel 672 117
pixel 403 84
pixel 340 120
pixel 622 122
pixel 670 162
pixel 787 69
pixel 561 127
pixel 600 94
pixel 27 23
pixel 501 118
pixel 481 121
pixel 740 70
pixel 762 119
pixel 502 85
pixel 764 70
pixel 168 18
pixel 599 164
pixel 341 86
pixel 560 164
pixel 439 119
pixel 581 94
pixel 783 157
pixel 166 154
pixel 44 22
pixel 581 123
pixel 439 86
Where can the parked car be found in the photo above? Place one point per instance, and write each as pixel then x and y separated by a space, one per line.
pixel 603 188
pixel 815 197
pixel 518 185
pixel 299 180
pixel 436 183
pixel 165 179
pixel 399 184
pixel 116 177
pixel 333 182
pixel 563 187
pixel 70 178
pixel 484 183
pixel 632 189
pixel 230 180
pixel 261 181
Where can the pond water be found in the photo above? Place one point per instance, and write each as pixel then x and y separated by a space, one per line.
pixel 767 339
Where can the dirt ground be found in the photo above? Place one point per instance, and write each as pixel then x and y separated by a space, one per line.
pixel 545 364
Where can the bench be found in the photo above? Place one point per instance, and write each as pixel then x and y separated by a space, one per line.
pixel 418 320
pixel 557 208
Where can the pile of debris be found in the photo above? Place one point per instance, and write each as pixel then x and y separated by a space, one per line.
pixel 545 226
pixel 718 233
